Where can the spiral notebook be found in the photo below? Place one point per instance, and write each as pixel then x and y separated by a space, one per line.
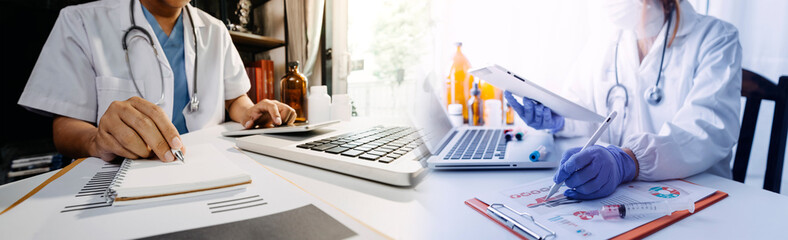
pixel 204 171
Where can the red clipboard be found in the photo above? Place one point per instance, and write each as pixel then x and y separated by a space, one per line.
pixel 637 233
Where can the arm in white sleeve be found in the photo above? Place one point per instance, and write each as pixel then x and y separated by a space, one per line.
pixel 63 79
pixel 236 82
pixel 704 130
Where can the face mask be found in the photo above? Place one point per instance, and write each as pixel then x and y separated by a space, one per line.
pixel 628 15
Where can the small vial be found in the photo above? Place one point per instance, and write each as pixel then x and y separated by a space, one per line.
pixel 661 208
pixel 519 136
pixel 475 107
pixel 508 136
pixel 538 153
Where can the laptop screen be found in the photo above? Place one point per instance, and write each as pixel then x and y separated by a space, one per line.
pixel 430 117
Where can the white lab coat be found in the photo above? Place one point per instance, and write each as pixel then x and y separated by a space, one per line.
pixel 695 127
pixel 82 67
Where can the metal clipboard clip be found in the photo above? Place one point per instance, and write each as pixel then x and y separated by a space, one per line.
pixel 520 222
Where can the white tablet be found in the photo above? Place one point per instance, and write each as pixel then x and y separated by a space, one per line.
pixel 504 79
pixel 303 127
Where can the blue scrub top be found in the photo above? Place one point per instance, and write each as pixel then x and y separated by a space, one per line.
pixel 173 50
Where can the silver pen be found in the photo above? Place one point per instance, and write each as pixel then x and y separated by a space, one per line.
pixel 178 154
pixel 590 143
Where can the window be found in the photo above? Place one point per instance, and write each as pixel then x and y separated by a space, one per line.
pixel 389 43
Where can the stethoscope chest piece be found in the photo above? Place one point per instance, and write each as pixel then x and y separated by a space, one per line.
pixel 653 95
pixel 194 104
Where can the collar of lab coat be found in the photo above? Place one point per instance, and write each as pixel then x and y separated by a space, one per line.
pixel 688 18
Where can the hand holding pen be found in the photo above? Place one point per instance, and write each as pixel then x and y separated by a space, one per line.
pixel 593 171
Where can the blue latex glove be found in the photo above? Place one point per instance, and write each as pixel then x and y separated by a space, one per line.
pixel 535 114
pixel 595 172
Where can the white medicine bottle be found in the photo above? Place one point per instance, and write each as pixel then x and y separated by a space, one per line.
pixel 340 107
pixel 318 104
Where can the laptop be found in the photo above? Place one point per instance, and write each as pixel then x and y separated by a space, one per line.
pixel 397 155
pixel 479 147
pixel 386 154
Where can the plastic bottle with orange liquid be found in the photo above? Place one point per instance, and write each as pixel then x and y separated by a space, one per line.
pixel 458 83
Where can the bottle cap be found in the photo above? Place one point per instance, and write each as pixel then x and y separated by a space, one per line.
pixel 292 64
pixel 322 89
pixel 475 91
pixel 455 109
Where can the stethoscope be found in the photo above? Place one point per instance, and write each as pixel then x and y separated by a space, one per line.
pixel 194 103
pixel 653 95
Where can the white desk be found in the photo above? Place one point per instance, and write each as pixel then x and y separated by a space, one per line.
pixel 435 209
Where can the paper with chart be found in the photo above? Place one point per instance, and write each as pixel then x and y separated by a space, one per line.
pixel 72 207
pixel 568 217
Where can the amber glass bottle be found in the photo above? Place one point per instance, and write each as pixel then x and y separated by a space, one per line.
pixel 292 89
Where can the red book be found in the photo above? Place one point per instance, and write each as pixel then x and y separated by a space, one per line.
pixel 270 80
pixel 252 93
pixel 260 87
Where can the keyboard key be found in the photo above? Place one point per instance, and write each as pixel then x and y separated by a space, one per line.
pixel 392 148
pixel 386 159
pixel 336 150
pixel 377 153
pixel 324 147
pixel 382 149
pixel 352 153
pixel 349 145
pixel 368 156
pixel 305 145
pixel 363 148
pixel 401 152
pixel 394 155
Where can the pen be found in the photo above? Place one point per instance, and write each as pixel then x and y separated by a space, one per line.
pixel 590 142
pixel 178 154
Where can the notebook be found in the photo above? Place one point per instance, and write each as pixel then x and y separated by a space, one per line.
pixel 204 171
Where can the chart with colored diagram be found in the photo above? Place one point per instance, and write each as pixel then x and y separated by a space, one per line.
pixel 576 219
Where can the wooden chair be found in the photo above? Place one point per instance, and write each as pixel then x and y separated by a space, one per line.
pixel 756 88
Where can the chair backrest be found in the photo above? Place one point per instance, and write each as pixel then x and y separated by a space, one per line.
pixel 756 88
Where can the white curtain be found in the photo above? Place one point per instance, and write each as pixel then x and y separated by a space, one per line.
pixel 304 24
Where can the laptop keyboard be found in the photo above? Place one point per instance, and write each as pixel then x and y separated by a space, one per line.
pixel 479 144
pixel 381 144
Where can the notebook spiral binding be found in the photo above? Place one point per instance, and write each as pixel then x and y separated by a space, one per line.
pixel 109 193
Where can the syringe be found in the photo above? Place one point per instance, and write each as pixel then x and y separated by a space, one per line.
pixel 628 210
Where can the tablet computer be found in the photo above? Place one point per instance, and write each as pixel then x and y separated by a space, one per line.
pixel 300 127
pixel 505 79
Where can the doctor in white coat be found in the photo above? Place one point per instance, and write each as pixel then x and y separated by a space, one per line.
pixel 676 77
pixel 181 74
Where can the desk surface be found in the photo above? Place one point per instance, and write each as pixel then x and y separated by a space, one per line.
pixel 435 208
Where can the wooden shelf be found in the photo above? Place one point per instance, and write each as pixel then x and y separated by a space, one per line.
pixel 254 43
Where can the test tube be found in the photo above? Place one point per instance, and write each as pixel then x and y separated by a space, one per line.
pixel 538 153
pixel 661 208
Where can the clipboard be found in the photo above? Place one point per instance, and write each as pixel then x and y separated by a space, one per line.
pixel 523 225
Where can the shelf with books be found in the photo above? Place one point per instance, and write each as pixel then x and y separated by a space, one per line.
pixel 248 42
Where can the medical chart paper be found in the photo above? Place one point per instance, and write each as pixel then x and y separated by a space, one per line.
pixel 70 208
pixel 568 217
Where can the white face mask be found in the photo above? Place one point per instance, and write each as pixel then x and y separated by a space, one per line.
pixel 628 15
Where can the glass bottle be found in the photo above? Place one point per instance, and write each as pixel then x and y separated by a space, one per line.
pixel 475 107
pixel 293 91
pixel 509 114
pixel 459 84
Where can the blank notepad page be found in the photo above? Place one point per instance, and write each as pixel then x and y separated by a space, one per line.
pixel 204 168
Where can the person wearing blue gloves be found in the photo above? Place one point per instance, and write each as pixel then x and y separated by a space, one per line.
pixel 674 77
